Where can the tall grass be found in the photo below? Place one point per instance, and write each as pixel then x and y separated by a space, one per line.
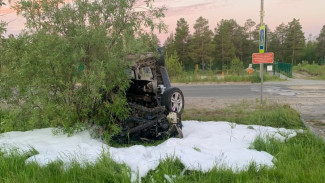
pixel 211 76
pixel 318 71
pixel 275 115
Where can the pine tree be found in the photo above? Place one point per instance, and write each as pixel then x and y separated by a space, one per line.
pixel 249 24
pixel 201 43
pixel 277 42
pixel 321 43
pixel 170 44
pixel 224 48
pixel 295 40
pixel 181 40
pixel 310 51
pixel 174 65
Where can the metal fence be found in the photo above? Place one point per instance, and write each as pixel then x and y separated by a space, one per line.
pixel 283 68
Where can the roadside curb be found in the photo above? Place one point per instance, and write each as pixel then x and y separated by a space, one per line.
pixel 311 128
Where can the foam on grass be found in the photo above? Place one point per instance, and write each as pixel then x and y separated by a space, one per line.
pixel 219 143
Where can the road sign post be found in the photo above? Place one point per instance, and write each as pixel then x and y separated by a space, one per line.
pixel 262 58
pixel 263 44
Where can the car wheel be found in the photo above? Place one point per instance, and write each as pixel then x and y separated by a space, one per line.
pixel 173 100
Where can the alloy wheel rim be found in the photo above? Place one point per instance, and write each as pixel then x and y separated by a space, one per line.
pixel 177 102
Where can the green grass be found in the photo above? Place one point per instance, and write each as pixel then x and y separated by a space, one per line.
pixel 14 169
pixel 315 70
pixel 190 77
pixel 274 115
pixel 299 159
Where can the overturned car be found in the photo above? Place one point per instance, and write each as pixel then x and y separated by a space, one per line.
pixel 156 106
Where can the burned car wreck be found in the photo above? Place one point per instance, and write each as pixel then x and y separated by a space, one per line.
pixel 156 106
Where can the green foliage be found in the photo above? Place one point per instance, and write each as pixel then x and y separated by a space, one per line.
pixel 236 66
pixel 310 52
pixel 295 40
pixel 215 76
pixel 224 46
pixel 321 43
pixel 318 71
pixel 181 40
pixel 174 66
pixel 201 42
pixel 276 42
pixel 67 72
pixel 2 29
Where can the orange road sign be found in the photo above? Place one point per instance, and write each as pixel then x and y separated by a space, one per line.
pixel 263 58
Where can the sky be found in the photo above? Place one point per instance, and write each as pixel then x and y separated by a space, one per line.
pixel 310 12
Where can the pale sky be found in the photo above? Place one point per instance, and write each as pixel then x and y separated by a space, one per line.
pixel 310 12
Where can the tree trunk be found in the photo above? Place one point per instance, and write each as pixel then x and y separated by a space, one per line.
pixel 202 59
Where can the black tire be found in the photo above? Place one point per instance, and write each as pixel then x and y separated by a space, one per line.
pixel 173 100
pixel 161 61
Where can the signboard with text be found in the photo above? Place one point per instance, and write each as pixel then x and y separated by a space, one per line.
pixel 262 41
pixel 263 58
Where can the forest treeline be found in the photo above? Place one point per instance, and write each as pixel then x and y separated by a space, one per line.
pixel 216 48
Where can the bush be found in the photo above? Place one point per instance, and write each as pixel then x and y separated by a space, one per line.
pixel 174 66
pixel 58 72
pixel 236 66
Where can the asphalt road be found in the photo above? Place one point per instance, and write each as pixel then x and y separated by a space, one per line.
pixel 307 96
pixel 234 90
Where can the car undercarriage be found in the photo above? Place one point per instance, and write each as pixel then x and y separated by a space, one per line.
pixel 155 105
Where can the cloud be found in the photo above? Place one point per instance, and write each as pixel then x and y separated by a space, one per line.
pixel 176 7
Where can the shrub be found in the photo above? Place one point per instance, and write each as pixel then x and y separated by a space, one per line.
pixel 174 66
pixel 57 73
pixel 236 66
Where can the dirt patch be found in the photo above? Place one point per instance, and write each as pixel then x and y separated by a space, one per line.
pixel 317 126
pixel 212 103
pixel 302 75
pixel 307 87
pixel 318 122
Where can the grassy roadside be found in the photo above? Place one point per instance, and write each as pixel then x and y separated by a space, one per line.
pixel 315 70
pixel 274 115
pixel 190 77
pixel 300 159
